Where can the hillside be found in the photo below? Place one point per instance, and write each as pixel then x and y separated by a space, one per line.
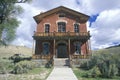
pixel 114 50
pixel 11 50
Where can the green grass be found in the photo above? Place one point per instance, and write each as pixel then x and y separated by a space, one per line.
pixel 80 75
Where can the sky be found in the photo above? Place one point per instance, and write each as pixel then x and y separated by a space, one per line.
pixel 104 22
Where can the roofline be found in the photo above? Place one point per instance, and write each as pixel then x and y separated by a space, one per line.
pixel 49 12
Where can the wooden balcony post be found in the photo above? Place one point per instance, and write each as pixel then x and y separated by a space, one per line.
pixel 54 48
pixel 69 53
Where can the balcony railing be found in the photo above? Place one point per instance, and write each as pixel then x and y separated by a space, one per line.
pixel 59 34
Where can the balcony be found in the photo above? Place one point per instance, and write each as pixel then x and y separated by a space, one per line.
pixel 61 35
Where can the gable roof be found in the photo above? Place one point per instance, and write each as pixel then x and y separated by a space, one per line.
pixel 40 16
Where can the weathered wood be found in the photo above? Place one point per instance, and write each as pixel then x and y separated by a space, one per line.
pixel 61 34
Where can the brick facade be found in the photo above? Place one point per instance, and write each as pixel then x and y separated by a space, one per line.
pixel 67 39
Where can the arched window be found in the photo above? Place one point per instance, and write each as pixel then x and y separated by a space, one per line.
pixel 76 28
pixel 61 27
pixel 47 28
pixel 46 48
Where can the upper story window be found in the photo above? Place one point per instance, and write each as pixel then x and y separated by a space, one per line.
pixel 61 27
pixel 46 48
pixel 61 15
pixel 47 28
pixel 76 28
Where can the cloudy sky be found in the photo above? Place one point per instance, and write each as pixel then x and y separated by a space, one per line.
pixel 104 22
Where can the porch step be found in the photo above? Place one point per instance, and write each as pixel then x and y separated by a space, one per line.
pixel 61 62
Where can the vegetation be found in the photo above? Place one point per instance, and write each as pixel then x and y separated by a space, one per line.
pixel 8 21
pixel 24 68
pixel 103 64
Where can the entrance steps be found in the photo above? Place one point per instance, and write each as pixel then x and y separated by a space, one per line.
pixel 61 62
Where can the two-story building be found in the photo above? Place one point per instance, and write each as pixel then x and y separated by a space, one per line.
pixel 61 33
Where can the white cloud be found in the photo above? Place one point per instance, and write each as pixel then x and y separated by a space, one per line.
pixel 97 6
pixel 105 30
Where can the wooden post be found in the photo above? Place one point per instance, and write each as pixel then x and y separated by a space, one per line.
pixel 69 52
pixel 33 46
pixel 54 48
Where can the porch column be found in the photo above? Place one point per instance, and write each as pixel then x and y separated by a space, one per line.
pixel 33 47
pixel 54 48
pixel 86 45
pixel 69 46
pixel 69 53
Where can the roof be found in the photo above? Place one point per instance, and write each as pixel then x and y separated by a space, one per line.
pixel 40 16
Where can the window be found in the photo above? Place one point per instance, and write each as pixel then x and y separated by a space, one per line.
pixel 61 27
pixel 77 48
pixel 61 15
pixel 47 28
pixel 46 48
pixel 76 28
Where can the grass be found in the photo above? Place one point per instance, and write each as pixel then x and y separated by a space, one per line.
pixel 8 51
pixel 35 74
pixel 40 73
pixel 80 74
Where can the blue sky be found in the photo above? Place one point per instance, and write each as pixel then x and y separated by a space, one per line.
pixel 103 24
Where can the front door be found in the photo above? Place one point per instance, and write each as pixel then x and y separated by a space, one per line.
pixel 62 51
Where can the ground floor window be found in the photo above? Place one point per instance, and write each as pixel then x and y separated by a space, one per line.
pixel 77 48
pixel 46 48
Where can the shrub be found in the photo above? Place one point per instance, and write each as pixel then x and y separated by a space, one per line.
pixel 17 58
pixel 94 72
pixel 108 69
pixel 5 66
pixel 23 67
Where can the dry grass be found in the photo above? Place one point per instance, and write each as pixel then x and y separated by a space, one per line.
pixel 11 50
pixel 35 74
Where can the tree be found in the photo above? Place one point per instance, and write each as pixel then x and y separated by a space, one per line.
pixel 8 20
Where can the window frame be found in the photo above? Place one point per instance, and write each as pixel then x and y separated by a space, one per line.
pixel 77 46
pixel 76 28
pixel 47 28
pixel 46 50
pixel 61 26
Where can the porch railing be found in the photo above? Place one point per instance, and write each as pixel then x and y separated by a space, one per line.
pixel 59 34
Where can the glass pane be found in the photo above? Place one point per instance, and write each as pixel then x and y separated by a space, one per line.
pixel 47 27
pixel 46 48
pixel 61 27
pixel 76 28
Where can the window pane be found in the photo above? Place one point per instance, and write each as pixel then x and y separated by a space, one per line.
pixel 77 48
pixel 76 28
pixel 47 28
pixel 46 48
pixel 61 27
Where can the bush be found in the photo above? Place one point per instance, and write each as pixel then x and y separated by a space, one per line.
pixel 5 66
pixel 23 67
pixel 108 65
pixel 17 58
pixel 93 73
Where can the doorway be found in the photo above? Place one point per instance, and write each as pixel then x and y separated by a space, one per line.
pixel 62 50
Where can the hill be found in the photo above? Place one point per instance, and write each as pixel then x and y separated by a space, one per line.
pixel 113 49
pixel 11 50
